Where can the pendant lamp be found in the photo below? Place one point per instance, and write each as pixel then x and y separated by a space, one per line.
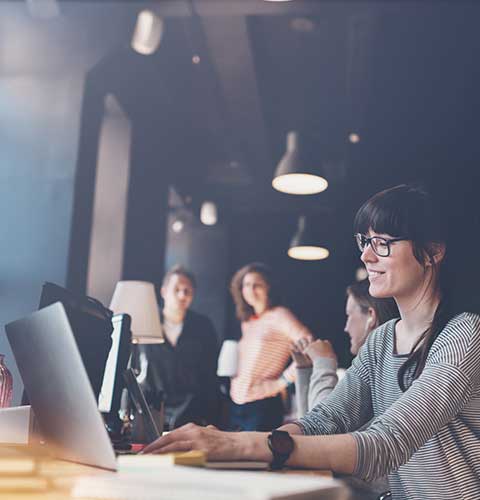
pixel 148 33
pixel 305 244
pixel 293 175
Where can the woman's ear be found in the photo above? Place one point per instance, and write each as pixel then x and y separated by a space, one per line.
pixel 437 253
pixel 372 320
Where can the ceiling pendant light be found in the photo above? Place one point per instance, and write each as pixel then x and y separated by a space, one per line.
pixel 305 245
pixel 293 176
pixel 148 33
pixel 208 213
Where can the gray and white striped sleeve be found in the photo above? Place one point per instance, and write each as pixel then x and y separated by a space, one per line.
pixel 450 378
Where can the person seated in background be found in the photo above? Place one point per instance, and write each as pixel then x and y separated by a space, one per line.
pixel 268 331
pixel 316 361
pixel 184 366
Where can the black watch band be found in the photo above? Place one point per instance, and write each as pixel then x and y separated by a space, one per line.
pixel 281 445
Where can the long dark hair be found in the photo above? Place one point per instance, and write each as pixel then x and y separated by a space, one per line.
pixel 245 311
pixel 385 309
pixel 411 212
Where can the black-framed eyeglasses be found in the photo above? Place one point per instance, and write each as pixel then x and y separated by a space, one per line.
pixel 380 246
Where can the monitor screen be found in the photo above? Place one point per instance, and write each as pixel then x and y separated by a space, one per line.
pixel 91 325
pixel 113 382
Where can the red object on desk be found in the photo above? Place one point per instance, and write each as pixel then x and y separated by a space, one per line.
pixel 136 447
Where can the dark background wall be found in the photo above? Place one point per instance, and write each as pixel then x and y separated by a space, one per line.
pixel 41 93
pixel 40 117
pixel 402 74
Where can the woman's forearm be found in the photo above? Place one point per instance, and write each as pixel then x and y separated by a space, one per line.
pixel 337 453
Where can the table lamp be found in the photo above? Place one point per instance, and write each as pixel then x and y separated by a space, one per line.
pixel 138 299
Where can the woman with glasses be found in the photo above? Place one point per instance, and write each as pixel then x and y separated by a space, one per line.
pixel 417 377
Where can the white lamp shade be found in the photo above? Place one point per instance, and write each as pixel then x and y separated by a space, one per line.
pixel 293 174
pixel 138 299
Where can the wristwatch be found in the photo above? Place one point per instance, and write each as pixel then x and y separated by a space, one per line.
pixel 281 445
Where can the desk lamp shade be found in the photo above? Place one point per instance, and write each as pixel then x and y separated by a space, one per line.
pixel 138 299
pixel 305 244
pixel 294 175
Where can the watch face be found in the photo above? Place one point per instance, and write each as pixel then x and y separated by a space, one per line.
pixel 282 442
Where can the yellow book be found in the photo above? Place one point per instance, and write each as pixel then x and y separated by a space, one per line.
pixel 194 458
pixel 17 484
pixel 20 460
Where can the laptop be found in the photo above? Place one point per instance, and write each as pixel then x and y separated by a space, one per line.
pixel 61 395
pixel 59 388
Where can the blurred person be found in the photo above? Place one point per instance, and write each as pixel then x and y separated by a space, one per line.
pixel 268 332
pixel 316 361
pixel 184 366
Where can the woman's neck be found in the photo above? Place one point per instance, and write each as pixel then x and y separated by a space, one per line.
pixel 416 313
pixel 173 315
pixel 260 309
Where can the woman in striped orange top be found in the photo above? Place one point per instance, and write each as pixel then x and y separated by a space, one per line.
pixel 268 332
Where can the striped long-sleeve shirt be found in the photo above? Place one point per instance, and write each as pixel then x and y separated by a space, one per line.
pixel 428 438
pixel 264 351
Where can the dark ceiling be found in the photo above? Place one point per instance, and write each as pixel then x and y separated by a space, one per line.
pixel 404 75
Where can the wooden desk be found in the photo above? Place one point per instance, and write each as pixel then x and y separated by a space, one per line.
pixel 62 474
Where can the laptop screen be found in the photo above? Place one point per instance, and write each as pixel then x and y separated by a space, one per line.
pixel 58 387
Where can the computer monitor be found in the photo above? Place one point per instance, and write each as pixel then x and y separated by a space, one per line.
pixel 109 399
pixel 91 325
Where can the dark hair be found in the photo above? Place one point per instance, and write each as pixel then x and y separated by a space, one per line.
pixel 385 309
pixel 180 271
pixel 245 311
pixel 411 212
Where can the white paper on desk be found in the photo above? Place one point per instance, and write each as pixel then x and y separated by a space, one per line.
pixel 185 483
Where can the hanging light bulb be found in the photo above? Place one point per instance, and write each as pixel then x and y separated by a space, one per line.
pixel 208 213
pixel 292 176
pixel 305 245
pixel 148 33
pixel 354 138
pixel 178 225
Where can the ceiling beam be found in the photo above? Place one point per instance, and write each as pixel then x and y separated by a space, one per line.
pixel 231 54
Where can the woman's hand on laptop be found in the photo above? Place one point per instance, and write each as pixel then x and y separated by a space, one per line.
pixel 217 445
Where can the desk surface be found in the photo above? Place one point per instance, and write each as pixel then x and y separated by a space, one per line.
pixel 62 474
